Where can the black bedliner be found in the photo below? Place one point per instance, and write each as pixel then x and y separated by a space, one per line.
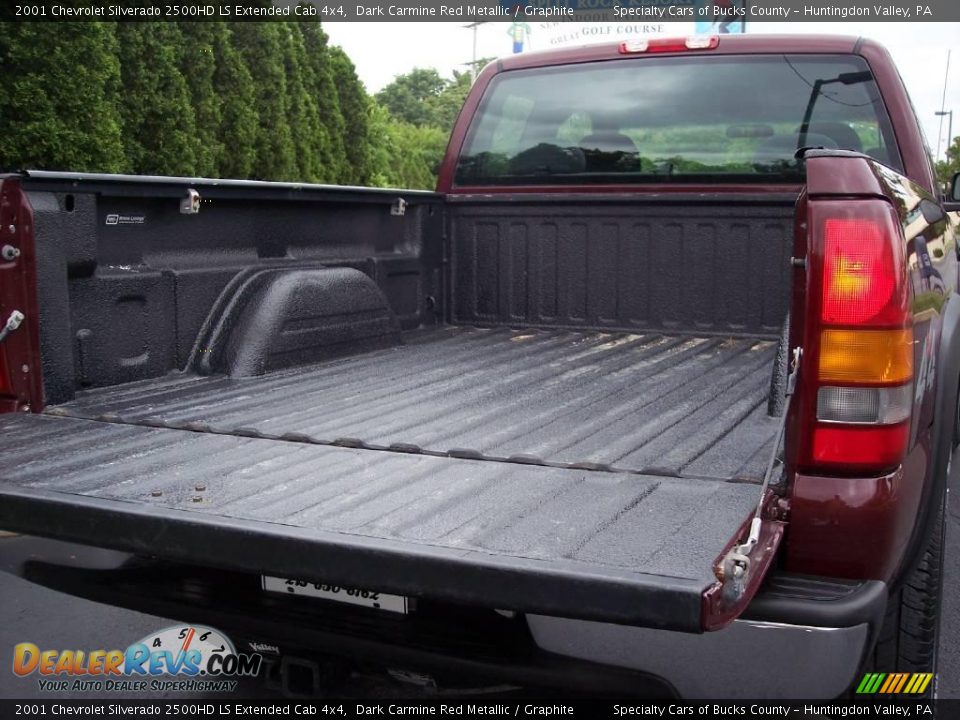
pixel 620 547
pixel 659 404
pixel 582 474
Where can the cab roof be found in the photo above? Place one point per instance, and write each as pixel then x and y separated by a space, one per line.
pixel 728 45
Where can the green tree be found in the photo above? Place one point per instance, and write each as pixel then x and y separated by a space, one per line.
pixel 354 105
pixel 310 138
pixel 323 89
pixel 198 63
pixel 947 168
pixel 446 105
pixel 239 120
pixel 59 87
pixel 402 154
pixel 262 47
pixel 159 126
pixel 423 97
pixel 409 97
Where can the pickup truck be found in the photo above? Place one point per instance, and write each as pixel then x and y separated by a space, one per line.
pixel 657 393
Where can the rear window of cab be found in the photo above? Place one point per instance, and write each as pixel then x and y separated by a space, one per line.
pixel 722 118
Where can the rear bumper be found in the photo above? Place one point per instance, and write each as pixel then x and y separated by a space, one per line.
pixel 747 659
pixel 803 637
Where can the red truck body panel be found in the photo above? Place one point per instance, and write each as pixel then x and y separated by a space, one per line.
pixel 21 378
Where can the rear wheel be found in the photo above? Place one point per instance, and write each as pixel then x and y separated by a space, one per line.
pixel 908 640
pixel 910 633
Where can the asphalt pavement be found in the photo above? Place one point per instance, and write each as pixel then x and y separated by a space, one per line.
pixel 53 620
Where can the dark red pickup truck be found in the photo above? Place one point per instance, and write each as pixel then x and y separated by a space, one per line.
pixel 657 393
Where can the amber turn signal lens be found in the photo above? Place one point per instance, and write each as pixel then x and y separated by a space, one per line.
pixel 866 356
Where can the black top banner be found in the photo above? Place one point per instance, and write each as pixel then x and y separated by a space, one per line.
pixel 717 11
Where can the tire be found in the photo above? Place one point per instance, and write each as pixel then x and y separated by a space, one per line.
pixel 956 425
pixel 910 634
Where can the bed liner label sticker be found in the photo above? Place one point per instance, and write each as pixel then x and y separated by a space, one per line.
pixel 118 219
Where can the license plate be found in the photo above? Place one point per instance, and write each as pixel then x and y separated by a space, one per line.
pixel 338 593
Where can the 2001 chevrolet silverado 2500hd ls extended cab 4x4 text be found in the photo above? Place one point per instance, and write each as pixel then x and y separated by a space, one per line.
pixel 538 412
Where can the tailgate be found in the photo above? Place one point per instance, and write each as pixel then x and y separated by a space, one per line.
pixel 620 547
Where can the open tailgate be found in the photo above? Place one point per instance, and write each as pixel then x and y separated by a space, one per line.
pixel 619 547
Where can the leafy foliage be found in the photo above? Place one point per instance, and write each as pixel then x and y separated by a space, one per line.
pixel 404 155
pixel 271 101
pixel 60 97
pixel 199 67
pixel 322 88
pixel 262 47
pixel 159 126
pixel 353 105
pixel 423 97
pixel 947 168
pixel 239 119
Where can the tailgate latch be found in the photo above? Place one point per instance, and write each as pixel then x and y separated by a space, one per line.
pixel 735 567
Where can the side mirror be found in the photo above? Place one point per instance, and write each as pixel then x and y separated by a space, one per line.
pixel 952 201
pixel 932 212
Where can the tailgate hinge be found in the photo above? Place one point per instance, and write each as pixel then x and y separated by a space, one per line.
pixel 734 569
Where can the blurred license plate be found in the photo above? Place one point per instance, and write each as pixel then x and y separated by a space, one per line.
pixel 338 593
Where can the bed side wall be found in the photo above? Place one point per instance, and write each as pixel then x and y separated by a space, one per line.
pixel 125 281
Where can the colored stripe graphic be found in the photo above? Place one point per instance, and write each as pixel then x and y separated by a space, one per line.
pixel 894 683
pixel 919 683
pixel 893 680
pixel 903 681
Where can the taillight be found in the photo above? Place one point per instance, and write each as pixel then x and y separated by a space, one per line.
pixel 862 394
pixel 860 273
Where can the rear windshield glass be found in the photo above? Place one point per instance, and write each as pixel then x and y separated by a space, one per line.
pixel 719 118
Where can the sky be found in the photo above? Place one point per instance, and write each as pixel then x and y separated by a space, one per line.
pixel 383 50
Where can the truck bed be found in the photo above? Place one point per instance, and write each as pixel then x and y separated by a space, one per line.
pixel 649 403
pixel 523 403
pixel 574 473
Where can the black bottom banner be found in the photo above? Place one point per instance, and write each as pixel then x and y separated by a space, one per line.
pixel 456 708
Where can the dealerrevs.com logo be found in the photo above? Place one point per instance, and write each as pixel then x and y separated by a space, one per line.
pixel 200 658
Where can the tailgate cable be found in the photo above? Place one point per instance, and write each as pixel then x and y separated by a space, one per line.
pixel 13 322
pixel 736 564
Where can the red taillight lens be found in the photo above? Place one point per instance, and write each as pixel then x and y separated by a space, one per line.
pixel 860 383
pixel 860 274
pixel 860 448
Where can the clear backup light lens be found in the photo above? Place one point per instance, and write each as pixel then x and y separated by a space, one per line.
pixel 702 42
pixel 864 406
pixel 634 46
